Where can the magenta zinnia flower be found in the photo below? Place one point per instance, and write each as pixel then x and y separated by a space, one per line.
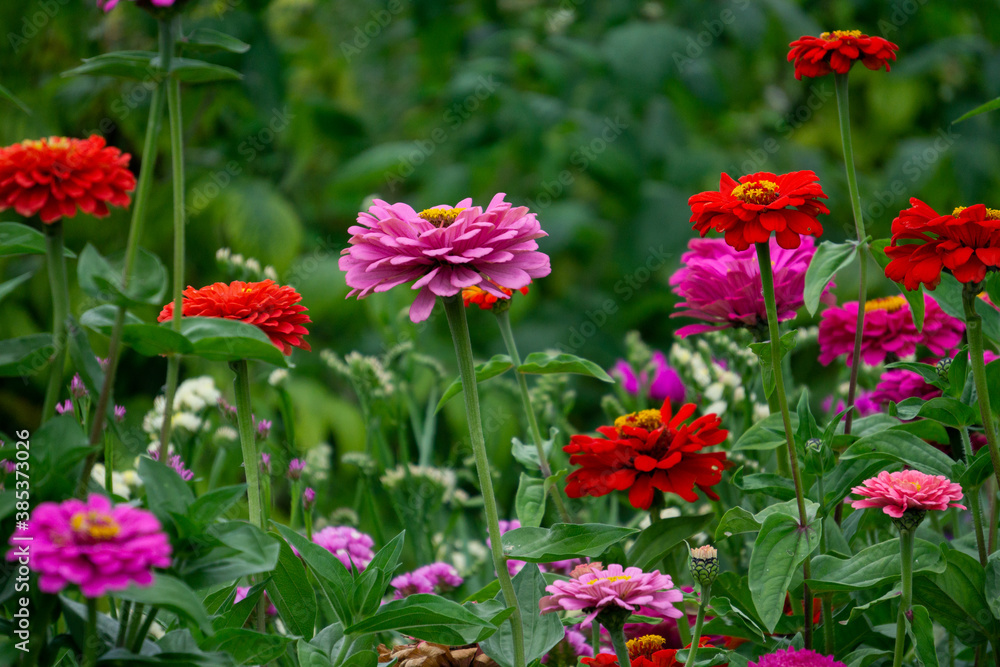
pixel 241 594
pixel 897 492
pixel 722 286
pixel 347 544
pixel 628 588
pixel 444 249
pixel 889 329
pixel 666 382
pixel 573 645
pixel 96 545
pixel 899 384
pixel 792 657
pixel 436 577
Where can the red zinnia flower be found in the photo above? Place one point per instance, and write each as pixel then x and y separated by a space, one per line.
pixel 648 451
pixel 485 300
pixel 837 51
pixel 748 211
pixel 965 243
pixel 53 177
pixel 272 308
pixel 644 652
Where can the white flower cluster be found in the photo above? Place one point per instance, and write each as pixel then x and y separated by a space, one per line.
pixel 122 483
pixel 191 399
pixel 368 374
pixel 468 556
pixel 318 461
pixel 244 268
pixel 441 478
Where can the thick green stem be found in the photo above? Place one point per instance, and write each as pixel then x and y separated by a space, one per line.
pixel 139 204
pixel 503 319
pixel 906 567
pixel 296 506
pixel 90 638
pixel 829 639
pixel 784 467
pixel 595 637
pixel 974 500
pixel 143 631
pixel 767 280
pixel 56 261
pixel 621 648
pixel 109 463
pixel 706 596
pixel 844 115
pixel 455 311
pixel 123 619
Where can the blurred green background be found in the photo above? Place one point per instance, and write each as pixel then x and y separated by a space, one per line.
pixel 603 117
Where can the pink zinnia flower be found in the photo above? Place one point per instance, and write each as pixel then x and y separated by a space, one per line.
pixel 444 249
pixel 96 545
pixel 666 382
pixel 899 384
pixel 574 645
pixel 792 657
pixel 347 544
pixel 722 286
pixel 628 588
pixel 865 403
pixel 241 594
pixel 888 330
pixel 436 577
pixel 108 5
pixel 897 492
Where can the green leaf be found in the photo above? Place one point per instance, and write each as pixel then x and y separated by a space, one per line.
pixel 218 339
pixel 208 507
pixel 171 594
pixel 875 566
pixel 980 470
pixel 830 258
pixel 948 411
pixel 949 296
pixel 547 363
pixel 187 70
pixel 101 278
pixel 206 39
pixel 527 454
pixel 530 501
pixel 992 583
pixel 334 578
pixel 763 352
pixel 735 521
pixel 424 616
pixel 541 631
pixel 992 105
pixel 236 549
pixel 922 630
pixel 915 298
pixel 9 286
pixel 655 542
pixel 766 483
pixel 926 371
pixel 238 613
pixel 498 365
pixel 954 595
pixel 125 64
pixel 780 548
pixel 562 542
pixel 903 447
pixel 768 433
pixel 13 99
pixel 153 340
pixel 102 318
pixel 291 593
pixel 19 239
pixel 26 355
pixel 248 647
pixel 166 492
pixel 788 508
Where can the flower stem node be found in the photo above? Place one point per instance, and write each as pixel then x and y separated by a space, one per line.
pixel 910 519
pixel 705 564
pixel 613 618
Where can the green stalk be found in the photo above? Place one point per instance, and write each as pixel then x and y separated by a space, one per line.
pixel 844 115
pixel 139 203
pixel 109 463
pixel 595 637
pixel 143 631
pixel 767 280
pixel 177 177
pixel 621 648
pixel 56 261
pixel 974 500
pixel 455 311
pixel 288 420
pixel 90 638
pixel 906 565
pixel 296 508
pixel 123 619
pixel 706 595
pixel 829 639
pixel 503 320
pixel 784 467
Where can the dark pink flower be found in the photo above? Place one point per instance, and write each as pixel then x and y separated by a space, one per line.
pixel 897 492
pixel 666 382
pixel 433 578
pixel 792 657
pixel 347 544
pixel 899 384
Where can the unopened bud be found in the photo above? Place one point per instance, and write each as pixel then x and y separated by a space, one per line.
pixel 943 367
pixel 705 564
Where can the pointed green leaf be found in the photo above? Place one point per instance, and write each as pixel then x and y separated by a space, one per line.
pixel 498 365
pixel 19 239
pixel 875 566
pixel 541 631
pixel 780 548
pixel 893 445
pixel 830 258
pixel 655 542
pixel 206 39
pixel 546 363
pixel 562 541
pixel 292 594
pixel 529 503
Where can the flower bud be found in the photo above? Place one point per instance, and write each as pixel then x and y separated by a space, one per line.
pixel 943 367
pixel 705 564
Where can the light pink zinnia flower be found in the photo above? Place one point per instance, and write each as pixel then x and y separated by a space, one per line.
pixel 436 577
pixel 347 544
pixel 792 657
pixel 722 286
pixel 666 382
pixel 628 588
pixel 444 249
pixel 896 492
pixel 96 545
pixel 888 330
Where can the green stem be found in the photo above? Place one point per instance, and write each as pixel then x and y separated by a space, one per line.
pixel 56 261
pixel 621 648
pixel 90 638
pixel 176 120
pixel 123 619
pixel 296 507
pixel 974 500
pixel 906 567
pixel 287 417
pixel 135 622
pixel 109 463
pixel 143 630
pixel 139 204
pixel 706 595
pixel 595 637
pixel 829 639
pixel 455 311
pixel 767 280
pixel 844 115
pixel 503 320
pixel 784 467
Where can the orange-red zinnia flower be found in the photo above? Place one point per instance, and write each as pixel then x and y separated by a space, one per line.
pixel 648 451
pixel 749 210
pixel 53 177
pixel 273 308
pixel 966 243
pixel 837 51
pixel 480 297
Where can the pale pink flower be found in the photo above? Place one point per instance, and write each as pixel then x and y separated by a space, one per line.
pixel 897 492
pixel 627 588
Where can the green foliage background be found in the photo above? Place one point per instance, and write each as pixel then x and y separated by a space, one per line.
pixel 602 116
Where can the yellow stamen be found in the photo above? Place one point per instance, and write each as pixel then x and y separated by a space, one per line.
pixel 840 34
pixel 756 192
pixel 97 525
pixel 889 304
pixel 440 217
pixel 647 419
pixel 991 213
pixel 644 646
pixel 620 577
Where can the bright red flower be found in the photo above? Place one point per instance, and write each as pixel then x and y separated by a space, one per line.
pixel 648 451
pixel 965 243
pixel 749 210
pixel 53 177
pixel 646 656
pixel 273 308
pixel 477 295
pixel 837 51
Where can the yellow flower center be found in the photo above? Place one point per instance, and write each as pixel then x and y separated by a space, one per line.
pixel 889 304
pixel 440 217
pixel 840 34
pixel 97 525
pixel 644 646
pixel 620 577
pixel 760 192
pixel 914 486
pixel 991 213
pixel 51 142
pixel 647 419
